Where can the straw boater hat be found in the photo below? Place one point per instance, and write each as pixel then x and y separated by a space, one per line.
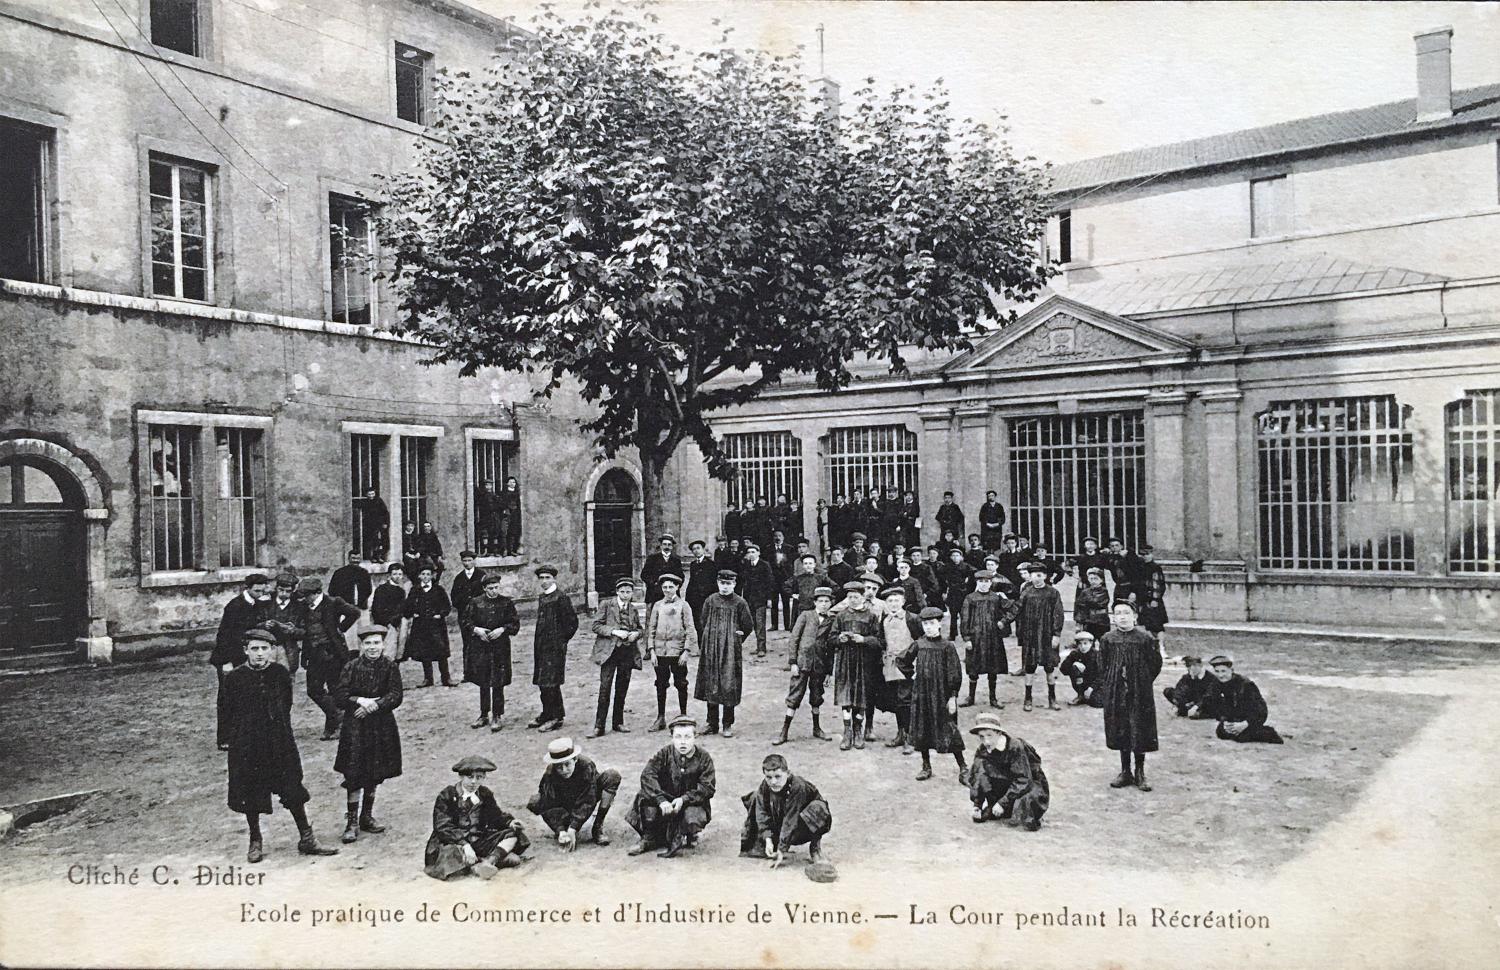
pixel 986 722
pixel 473 763
pixel 560 750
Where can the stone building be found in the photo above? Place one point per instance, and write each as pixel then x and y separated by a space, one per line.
pixel 195 383
pixel 1273 354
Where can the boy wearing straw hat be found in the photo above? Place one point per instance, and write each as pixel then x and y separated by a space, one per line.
pixel 1006 781
pixel 572 791
pixel 470 832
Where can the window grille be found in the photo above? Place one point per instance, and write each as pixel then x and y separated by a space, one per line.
pixel 858 459
pixel 1473 425
pixel 766 464
pixel 1079 475
pixel 491 463
pixel 366 458
pixel 351 247
pixel 176 531
pixel 416 463
pixel 181 231
pixel 238 454
pixel 1335 485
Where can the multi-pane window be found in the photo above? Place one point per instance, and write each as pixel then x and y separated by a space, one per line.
pixel 412 67
pixel 175 25
pixel 416 466
pixel 492 461
pixel 1079 475
pixel 1336 485
pixel 23 201
pixel 1473 426
pixel 181 230
pixel 858 459
pixel 351 248
pixel 766 464
pixel 371 528
pixel 176 524
pixel 241 513
pixel 1065 236
pixel 1270 206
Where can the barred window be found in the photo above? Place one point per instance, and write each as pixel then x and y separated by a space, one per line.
pixel 1079 475
pixel 1336 485
pixel 241 511
pixel 1473 425
pixel 181 230
pixel 416 470
pixel 766 464
pixel 496 524
pixel 176 526
pixel 351 248
pixel 858 459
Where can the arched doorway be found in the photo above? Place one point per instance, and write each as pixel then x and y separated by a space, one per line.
pixel 614 506
pixel 43 559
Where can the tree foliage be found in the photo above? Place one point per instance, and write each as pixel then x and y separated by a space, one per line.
pixel 678 232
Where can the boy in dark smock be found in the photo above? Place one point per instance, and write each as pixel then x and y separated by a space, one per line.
pixel 1191 689
pixel 1007 780
pixel 471 833
pixel 785 811
pixel 1129 662
pixel 1039 627
pixel 676 797
pixel 426 611
pixel 1082 668
pixel 857 644
pixel 556 622
pixel 726 624
pixel 263 756
pixel 368 693
pixel 987 615
pixel 1238 705
pixel 936 678
pixel 488 622
pixel 572 791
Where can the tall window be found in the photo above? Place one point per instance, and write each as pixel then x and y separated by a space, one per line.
pixel 412 68
pixel 181 230
pixel 176 525
pixel 1270 206
pixel 1336 485
pixel 496 515
pixel 175 26
pixel 766 463
pixel 416 467
pixel 1079 475
pixel 241 512
pixel 366 459
pixel 351 247
pixel 1065 236
pixel 24 195
pixel 1473 425
pixel 858 459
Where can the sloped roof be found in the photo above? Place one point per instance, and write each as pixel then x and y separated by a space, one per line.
pixel 1470 106
pixel 1315 275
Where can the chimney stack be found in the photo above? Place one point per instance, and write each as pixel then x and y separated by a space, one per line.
pixel 1435 74
pixel 827 94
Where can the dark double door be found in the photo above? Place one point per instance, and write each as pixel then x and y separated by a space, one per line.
pixel 41 581
pixel 613 545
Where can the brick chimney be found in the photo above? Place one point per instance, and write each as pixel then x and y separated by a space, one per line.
pixel 827 94
pixel 1435 74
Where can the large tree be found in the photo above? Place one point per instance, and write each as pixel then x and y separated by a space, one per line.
pixel 676 233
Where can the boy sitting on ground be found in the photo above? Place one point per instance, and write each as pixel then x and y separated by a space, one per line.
pixel 470 832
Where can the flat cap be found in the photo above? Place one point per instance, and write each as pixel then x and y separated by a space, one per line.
pixel 728 574
pixel 857 535
pixel 1189 659
pixel 823 591
pixel 255 579
pixel 546 570
pixel 854 586
pixel 1221 661
pixel 875 578
pixel 370 630
pixel 985 574
pixel 1082 635
pixel 286 579
pixel 623 582
pixel 259 634
pixel 473 763
pixel 683 720
pixel 931 613
pixel 891 591
pixel 669 578
pixel 311 584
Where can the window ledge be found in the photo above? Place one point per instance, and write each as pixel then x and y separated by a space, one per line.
pixel 501 562
pixel 1387 580
pixel 199 577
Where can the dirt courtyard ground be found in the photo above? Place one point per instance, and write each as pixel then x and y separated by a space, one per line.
pixel 144 735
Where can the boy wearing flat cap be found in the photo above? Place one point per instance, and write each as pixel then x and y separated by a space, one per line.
pixel 1039 627
pixel 985 621
pixel 812 660
pixel 263 756
pixel 936 677
pixel 617 630
pixel 470 832
pixel 1081 666
pixel 726 624
pixel 1129 662
pixel 1191 689
pixel 368 693
pixel 229 645
pixel 858 642
pixel 572 791
pixel 283 615
pixel 1239 706
pixel 756 583
pixel 426 611
pixel 1007 780
pixel 676 796
pixel 556 622
pixel 325 651
pixel 489 620
pixel 785 811
pixel 671 637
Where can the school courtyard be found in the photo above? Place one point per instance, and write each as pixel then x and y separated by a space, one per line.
pixel 1380 734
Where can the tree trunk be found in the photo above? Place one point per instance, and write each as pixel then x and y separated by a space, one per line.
pixel 653 495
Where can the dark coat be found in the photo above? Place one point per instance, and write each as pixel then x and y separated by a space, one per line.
pixel 733 526
pixel 487 662
pixel 370 746
pixel 1189 691
pixel 427 637
pixel 386 604
pixel 655 567
pixel 702 582
pixel 991 524
pixel 669 775
pixel 726 623
pixel 1083 670
pixel 465 588
pixel 986 621
pixel 932 588
pixel 810 649
pixel 263 756
pixel 802 586
pixel 456 824
pixel 352 584
pixel 288 622
pixel 1237 699
pixel 1129 663
pixel 756 583
pixel 431 547
pixel 510 514
pixel 936 677
pixel 577 795
pixel 326 625
pixel 957 579
pixel 1090 605
pixel 1038 624
pixel 556 622
pixel 774 815
pixel 857 663
pixel 950 518
pixel 1010 778
pixel 610 618
pixel 237 620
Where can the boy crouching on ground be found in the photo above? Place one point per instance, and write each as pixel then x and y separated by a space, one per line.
pixel 572 790
pixel 470 833
pixel 785 811
pixel 1006 780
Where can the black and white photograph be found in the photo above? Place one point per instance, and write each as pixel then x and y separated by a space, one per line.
pixel 749 483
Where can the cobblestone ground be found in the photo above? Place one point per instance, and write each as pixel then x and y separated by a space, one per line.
pixel 143 734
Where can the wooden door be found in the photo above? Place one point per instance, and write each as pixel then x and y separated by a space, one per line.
pixel 42 581
pixel 613 543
